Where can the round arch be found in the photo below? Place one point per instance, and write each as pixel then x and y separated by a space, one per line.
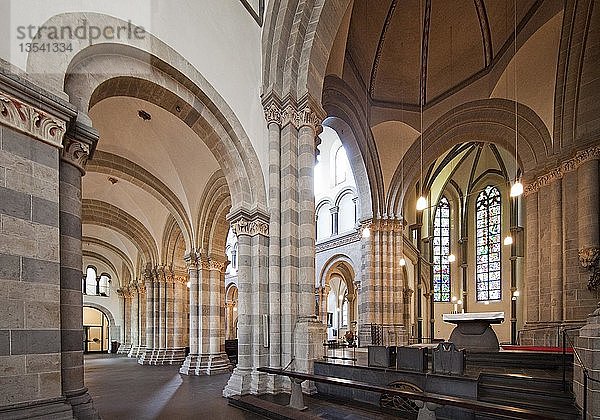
pixel 489 121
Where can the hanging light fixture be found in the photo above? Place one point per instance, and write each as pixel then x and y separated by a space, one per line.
pixel 421 201
pixel 508 240
pixel 402 262
pixel 451 258
pixel 366 233
pixel 517 188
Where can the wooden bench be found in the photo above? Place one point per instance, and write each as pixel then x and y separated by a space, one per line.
pixel 428 401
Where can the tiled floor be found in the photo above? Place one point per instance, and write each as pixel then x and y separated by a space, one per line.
pixel 122 389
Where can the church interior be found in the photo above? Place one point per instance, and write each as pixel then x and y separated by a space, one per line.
pixel 300 209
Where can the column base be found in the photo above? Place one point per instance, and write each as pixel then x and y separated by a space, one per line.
pixel 277 384
pixel 169 356
pixel 238 383
pixel 136 351
pixel 147 357
pixel 82 404
pixel 205 364
pixel 55 408
pixel 124 349
pixel 588 345
pixel 308 339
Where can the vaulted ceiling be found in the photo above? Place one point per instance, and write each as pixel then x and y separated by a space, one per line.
pixel 459 39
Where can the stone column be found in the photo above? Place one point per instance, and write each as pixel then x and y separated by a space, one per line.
pixel 134 323
pixel 588 341
pixel 190 364
pixel 142 317
pixel 214 360
pixel 125 346
pixel 335 219
pixel 77 145
pixel 178 321
pixel 252 233
pixel 556 247
pixel 532 274
pixel 309 332
pixel 146 356
pixel 273 118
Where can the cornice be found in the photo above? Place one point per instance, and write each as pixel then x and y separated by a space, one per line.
pixel 31 120
pixel 568 165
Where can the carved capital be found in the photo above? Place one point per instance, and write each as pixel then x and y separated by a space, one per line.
pixel 589 258
pixel 76 153
pixel 254 227
pixel 31 120
pixel 568 165
pixel 214 264
pixel 273 113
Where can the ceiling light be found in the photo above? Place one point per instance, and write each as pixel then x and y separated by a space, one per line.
pixel 144 115
pixel 516 189
pixel 421 203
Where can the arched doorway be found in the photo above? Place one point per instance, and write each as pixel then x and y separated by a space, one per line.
pixel 96 331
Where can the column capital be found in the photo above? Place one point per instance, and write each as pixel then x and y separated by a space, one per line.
pixel 589 258
pixel 78 145
pixel 302 113
pixel 249 223
pixel 568 165
pixel 215 264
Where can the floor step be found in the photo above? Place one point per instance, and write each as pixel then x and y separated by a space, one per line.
pixel 267 409
pixel 565 412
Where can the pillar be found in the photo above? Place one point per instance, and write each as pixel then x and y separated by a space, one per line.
pixel 146 356
pixel 587 343
pixel 190 365
pixel 134 324
pixel 71 168
pixel 556 248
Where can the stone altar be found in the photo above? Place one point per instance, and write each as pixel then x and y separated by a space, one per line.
pixel 473 331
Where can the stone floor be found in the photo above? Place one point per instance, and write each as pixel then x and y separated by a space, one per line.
pixel 122 389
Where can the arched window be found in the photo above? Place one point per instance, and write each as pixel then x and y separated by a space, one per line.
pixel 341 165
pixel 324 224
pixel 346 214
pixel 488 271
pixel 441 250
pixel 234 257
pixel 91 281
pixel 104 285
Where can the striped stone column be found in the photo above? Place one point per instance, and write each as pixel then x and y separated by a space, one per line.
pixel 252 233
pixel 556 247
pixel 273 118
pixel 146 356
pixel 190 363
pixel 309 333
pixel 142 292
pixel 134 323
pixel 77 145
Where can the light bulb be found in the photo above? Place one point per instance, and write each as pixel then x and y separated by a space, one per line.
pixel 454 299
pixel 189 284
pixel 459 301
pixel 421 203
pixel 451 258
pixel 516 189
pixel 402 262
pixel 235 309
pixel 516 293
pixel 366 233
pixel 508 240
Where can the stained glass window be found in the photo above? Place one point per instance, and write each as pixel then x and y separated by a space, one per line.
pixel 441 250
pixel 487 220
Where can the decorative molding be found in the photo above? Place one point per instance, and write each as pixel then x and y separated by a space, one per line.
pixel 31 120
pixel 250 227
pixel 289 112
pixel 387 225
pixel 567 166
pixel 214 264
pixel 338 241
pixel 589 258
pixel 386 25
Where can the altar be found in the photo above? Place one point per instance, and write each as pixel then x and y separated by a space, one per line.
pixel 473 331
